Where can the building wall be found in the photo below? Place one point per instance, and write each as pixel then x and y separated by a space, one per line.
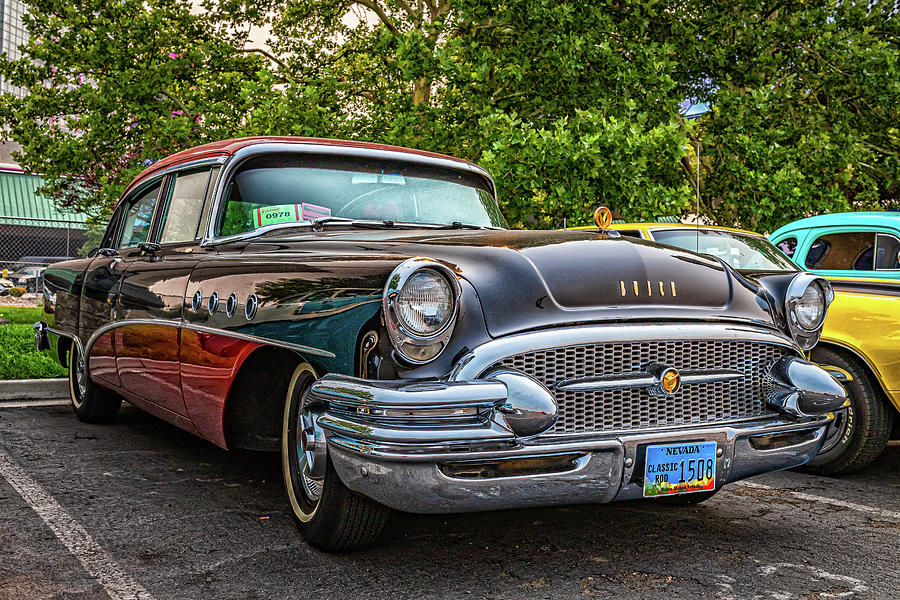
pixel 12 35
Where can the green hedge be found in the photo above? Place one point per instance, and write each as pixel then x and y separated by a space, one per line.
pixel 18 357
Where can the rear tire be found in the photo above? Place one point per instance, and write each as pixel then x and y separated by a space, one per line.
pixel 865 425
pixel 328 514
pixel 91 403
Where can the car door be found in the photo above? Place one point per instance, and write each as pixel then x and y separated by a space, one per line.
pixel 152 294
pixel 129 227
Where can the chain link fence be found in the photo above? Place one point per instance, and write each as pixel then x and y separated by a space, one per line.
pixel 28 245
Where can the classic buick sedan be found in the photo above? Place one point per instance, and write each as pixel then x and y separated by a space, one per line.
pixel 363 308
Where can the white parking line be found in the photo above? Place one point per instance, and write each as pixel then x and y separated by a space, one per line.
pixel 31 403
pixel 864 508
pixel 100 566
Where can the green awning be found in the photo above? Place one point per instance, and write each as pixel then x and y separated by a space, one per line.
pixel 20 204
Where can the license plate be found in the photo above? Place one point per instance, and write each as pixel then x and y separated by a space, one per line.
pixel 680 468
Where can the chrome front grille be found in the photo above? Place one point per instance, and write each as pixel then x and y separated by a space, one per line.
pixel 635 408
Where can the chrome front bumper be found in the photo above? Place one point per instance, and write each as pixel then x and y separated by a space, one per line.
pixel 481 439
pixel 484 466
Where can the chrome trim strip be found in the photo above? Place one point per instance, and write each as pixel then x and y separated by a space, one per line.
pixel 710 376
pixel 542 446
pixel 193 164
pixel 86 348
pixel 308 147
pixel 396 394
pixel 255 338
pixel 473 364
pixel 487 431
pixel 620 381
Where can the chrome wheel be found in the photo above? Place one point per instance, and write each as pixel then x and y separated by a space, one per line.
pixel 77 377
pixel 328 514
pixel 304 455
pixel 80 376
pixel 312 454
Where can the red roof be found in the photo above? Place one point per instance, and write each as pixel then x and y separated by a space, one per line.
pixel 229 147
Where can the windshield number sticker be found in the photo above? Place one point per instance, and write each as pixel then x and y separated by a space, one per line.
pixel 290 213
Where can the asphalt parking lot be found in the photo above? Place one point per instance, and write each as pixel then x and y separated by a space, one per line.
pixel 139 509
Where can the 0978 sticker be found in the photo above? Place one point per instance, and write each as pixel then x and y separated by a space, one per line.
pixel 290 213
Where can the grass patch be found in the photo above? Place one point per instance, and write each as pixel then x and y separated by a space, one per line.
pixel 21 315
pixel 18 357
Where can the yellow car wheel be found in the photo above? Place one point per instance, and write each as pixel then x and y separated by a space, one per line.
pixel 860 432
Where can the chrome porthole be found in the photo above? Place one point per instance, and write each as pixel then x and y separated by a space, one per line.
pixel 231 305
pixel 197 301
pixel 250 308
pixel 213 304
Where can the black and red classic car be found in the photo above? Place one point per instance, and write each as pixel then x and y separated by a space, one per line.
pixel 363 309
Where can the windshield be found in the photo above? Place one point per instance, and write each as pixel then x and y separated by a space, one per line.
pixel 741 251
pixel 286 188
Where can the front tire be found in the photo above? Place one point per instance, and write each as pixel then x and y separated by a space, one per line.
pixel 329 515
pixel 91 403
pixel 860 432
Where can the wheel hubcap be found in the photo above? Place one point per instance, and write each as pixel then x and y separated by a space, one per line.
pixel 311 453
pixel 80 377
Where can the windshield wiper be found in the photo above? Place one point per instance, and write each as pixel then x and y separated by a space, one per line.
pixel 319 224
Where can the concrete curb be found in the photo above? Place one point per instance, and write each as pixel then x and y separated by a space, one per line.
pixel 34 389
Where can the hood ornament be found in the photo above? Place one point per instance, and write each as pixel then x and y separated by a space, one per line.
pixel 603 218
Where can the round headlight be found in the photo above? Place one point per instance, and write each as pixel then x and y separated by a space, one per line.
pixel 425 303
pixel 809 309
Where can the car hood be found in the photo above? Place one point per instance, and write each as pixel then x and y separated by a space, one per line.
pixel 530 279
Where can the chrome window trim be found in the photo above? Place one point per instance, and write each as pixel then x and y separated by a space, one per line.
pixel 473 364
pixel 878 235
pixel 234 162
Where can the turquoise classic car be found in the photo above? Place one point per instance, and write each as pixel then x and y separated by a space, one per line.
pixel 859 253
pixel 862 244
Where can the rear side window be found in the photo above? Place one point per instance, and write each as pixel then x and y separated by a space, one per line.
pixel 138 216
pixel 788 245
pixel 843 252
pixel 887 252
pixel 181 218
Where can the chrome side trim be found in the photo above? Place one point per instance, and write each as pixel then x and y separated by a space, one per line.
pixel 309 147
pixel 481 358
pixel 620 381
pixel 86 347
pixel 255 338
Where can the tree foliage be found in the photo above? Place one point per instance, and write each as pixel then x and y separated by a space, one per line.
pixel 569 104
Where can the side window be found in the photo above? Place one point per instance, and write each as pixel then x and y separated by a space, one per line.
pixel 181 218
pixel 112 229
pixel 843 252
pixel 788 245
pixel 887 253
pixel 633 233
pixel 136 226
